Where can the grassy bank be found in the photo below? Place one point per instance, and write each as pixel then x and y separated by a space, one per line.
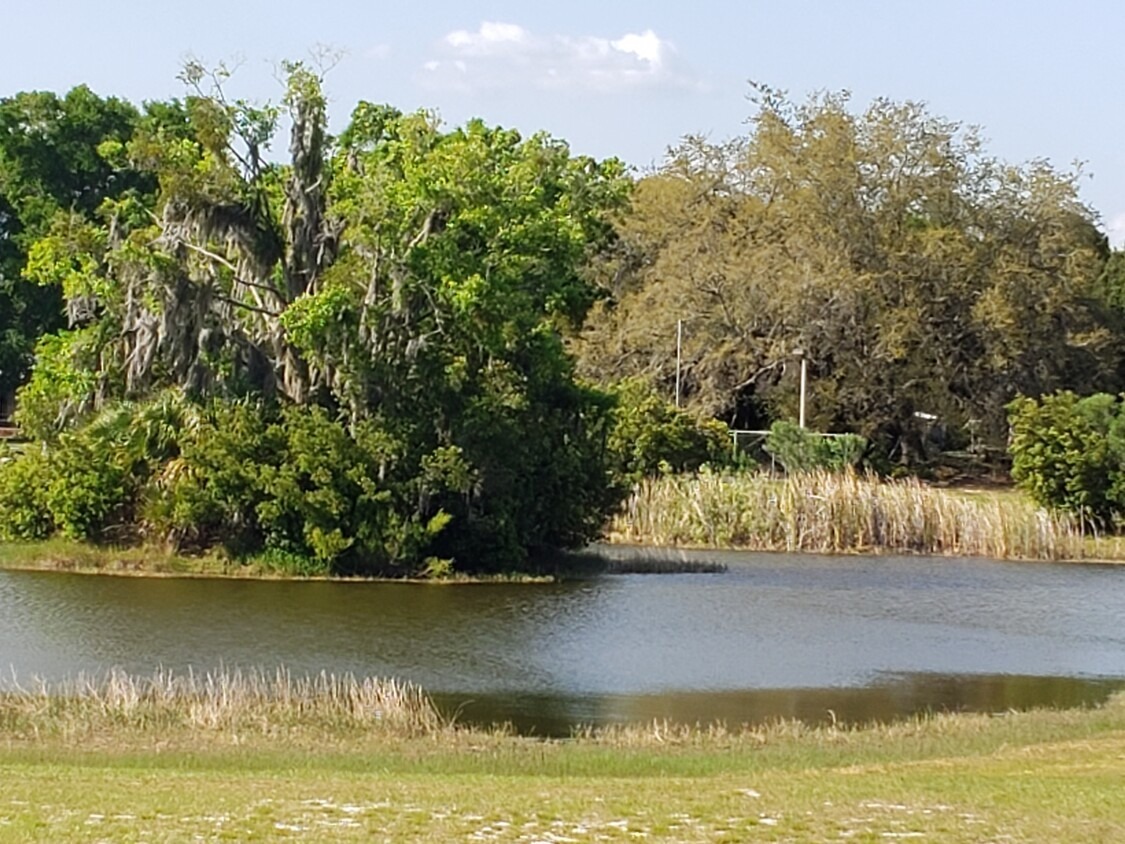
pixel 839 513
pixel 153 561
pixel 68 555
pixel 317 763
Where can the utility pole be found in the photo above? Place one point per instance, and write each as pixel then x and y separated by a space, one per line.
pixel 804 383
pixel 679 356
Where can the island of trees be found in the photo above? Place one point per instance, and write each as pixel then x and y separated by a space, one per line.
pixel 408 349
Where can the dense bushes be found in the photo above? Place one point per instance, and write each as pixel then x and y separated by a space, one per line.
pixel 74 489
pixel 1068 453
pixel 650 436
pixel 23 496
pixel 295 489
pixel 800 450
pixel 296 485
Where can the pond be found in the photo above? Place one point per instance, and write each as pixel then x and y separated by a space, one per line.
pixel 854 638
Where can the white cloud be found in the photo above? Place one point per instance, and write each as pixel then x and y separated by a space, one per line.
pixel 506 55
pixel 1116 231
pixel 647 46
pixel 488 38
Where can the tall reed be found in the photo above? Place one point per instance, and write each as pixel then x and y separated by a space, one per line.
pixel 822 512
pixel 224 700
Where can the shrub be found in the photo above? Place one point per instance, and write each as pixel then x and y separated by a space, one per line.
pixel 341 499
pixel 800 450
pixel 86 489
pixel 70 488
pixel 210 493
pixel 294 490
pixel 61 384
pixel 23 487
pixel 535 474
pixel 297 490
pixel 650 436
pixel 1069 452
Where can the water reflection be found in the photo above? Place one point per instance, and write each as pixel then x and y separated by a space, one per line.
pixel 774 636
pixel 889 699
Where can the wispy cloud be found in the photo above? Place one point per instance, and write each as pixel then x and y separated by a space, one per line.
pixel 379 52
pixel 1116 231
pixel 506 55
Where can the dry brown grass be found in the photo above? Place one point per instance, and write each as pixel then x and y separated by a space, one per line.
pixel 227 701
pixel 821 512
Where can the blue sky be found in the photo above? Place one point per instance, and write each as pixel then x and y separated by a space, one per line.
pixel 623 77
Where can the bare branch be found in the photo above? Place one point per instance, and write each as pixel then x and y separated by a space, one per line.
pixel 221 260
pixel 245 305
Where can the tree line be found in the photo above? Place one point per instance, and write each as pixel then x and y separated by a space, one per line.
pixel 408 348
pixel 924 282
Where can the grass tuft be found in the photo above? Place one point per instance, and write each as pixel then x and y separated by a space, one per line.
pixel 222 701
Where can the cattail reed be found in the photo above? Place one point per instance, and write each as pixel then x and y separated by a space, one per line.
pixel 822 512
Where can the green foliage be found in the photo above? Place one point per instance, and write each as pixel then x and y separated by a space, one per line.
pixel 1068 452
pixel 74 489
pixel 913 270
pixel 24 479
pixel 62 385
pixel 86 483
pixel 650 436
pixel 296 489
pixel 541 476
pixel 323 498
pixel 1112 280
pixel 800 450
pixel 374 333
pixel 52 167
pixel 86 490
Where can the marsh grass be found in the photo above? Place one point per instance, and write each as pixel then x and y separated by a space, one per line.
pixel 934 733
pixel 645 563
pixel 821 512
pixel 230 701
pixel 607 558
pixel 278 704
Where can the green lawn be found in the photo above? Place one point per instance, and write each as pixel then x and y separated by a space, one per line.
pixel 1043 776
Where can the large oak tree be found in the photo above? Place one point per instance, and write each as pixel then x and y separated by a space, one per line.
pixel 914 272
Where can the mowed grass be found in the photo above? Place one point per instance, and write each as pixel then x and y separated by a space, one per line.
pixel 323 772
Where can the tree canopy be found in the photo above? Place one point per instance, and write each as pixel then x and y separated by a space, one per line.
pixel 913 271
pixel 410 348
pixel 51 170
pixel 412 282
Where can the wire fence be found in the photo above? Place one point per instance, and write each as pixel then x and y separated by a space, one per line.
pixel 749 446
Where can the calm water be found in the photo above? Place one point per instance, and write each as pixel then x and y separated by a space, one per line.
pixel 775 635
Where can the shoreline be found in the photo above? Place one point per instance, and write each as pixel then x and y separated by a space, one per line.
pixel 668 550
pixel 68 557
pixel 612 555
